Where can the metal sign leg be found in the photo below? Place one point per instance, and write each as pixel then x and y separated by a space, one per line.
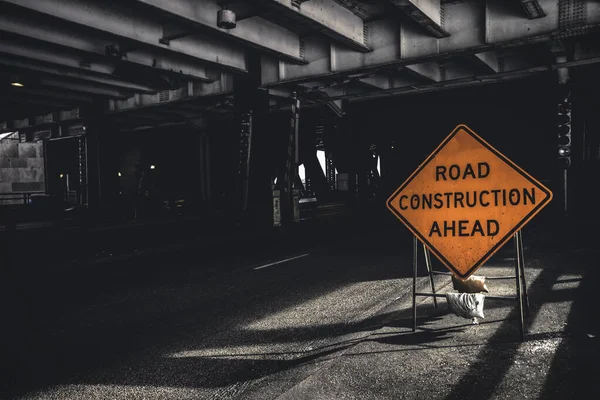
pixel 430 272
pixel 523 281
pixel 414 292
pixel 519 296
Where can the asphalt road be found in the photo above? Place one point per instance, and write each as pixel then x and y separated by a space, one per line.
pixel 324 316
pixel 194 323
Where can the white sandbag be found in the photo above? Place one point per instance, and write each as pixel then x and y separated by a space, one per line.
pixel 473 284
pixel 466 305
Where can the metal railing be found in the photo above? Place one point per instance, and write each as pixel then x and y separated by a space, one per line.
pixel 18 197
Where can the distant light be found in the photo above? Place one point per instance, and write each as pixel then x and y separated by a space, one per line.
pixel 61 175
pixel 564 151
pixel 152 167
pixel 119 174
pixel 16 80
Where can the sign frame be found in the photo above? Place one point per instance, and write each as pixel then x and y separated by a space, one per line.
pixel 526 219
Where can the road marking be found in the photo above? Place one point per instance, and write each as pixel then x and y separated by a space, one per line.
pixel 281 261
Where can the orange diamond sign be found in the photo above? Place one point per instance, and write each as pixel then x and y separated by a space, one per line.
pixel 466 200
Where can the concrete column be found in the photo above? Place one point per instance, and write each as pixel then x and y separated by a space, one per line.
pixel 205 173
pixel 343 155
pixel 255 161
pixel 102 160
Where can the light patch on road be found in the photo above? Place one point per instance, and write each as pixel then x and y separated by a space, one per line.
pixel 334 308
pixel 150 392
pixel 243 352
pixel 312 320
pixel 280 262
pixel 567 281
pixel 537 355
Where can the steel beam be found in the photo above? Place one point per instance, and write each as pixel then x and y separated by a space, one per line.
pixel 504 25
pixel 255 32
pixel 327 17
pixel 430 71
pixel 34 59
pixel 516 68
pixel 488 59
pixel 193 91
pixel 532 9
pixel 377 82
pixel 427 13
pixel 453 70
pixel 92 47
pixel 393 43
pixel 89 88
pixel 54 94
pixel 317 53
pixel 132 27
pixel 35 101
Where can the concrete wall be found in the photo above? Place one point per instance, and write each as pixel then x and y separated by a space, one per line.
pixel 21 167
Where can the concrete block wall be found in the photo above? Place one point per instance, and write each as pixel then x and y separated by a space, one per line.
pixel 21 168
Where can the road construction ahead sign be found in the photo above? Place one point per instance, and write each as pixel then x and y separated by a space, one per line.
pixel 466 200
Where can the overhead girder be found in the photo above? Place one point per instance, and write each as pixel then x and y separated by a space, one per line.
pixel 134 28
pixel 488 59
pixel 428 70
pixel 504 26
pixel 427 13
pixel 254 31
pixel 26 100
pixel 87 87
pixel 192 90
pixel 91 48
pixel 515 66
pixel 532 9
pixel 388 82
pixel 39 60
pixel 60 95
pixel 474 26
pixel 327 17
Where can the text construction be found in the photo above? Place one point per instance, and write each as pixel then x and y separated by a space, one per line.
pixel 466 200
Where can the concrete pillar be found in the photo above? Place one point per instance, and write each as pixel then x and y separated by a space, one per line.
pixel 344 156
pixel 204 166
pixel 255 161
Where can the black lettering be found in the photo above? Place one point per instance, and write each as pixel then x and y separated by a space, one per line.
pixel 477 228
pixel 462 227
pixel 492 223
pixel 458 198
pixel 414 202
pixel 483 170
pixel 403 197
pixel 496 191
pixel 454 172
pixel 438 200
pixel 440 171
pixel 529 195
pixel 469 171
pixel 435 228
pixel 514 197
pixel 503 197
pixel 483 203
pixel 473 198
pixel 448 195
pixel 451 228
pixel 426 201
